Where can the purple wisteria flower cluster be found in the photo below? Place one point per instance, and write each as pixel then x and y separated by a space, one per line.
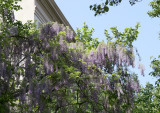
pixel 54 72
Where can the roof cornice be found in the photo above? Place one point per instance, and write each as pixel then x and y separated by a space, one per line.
pixel 53 12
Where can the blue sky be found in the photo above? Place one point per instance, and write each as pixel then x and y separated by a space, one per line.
pixel 77 12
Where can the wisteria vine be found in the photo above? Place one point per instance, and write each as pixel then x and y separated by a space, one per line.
pixel 52 71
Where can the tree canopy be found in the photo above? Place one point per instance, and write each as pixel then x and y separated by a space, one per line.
pixel 104 6
pixel 50 69
pixel 155 8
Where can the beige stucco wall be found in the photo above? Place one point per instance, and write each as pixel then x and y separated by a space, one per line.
pixel 27 13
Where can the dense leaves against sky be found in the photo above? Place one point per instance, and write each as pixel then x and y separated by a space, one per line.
pixel 51 70
pixel 155 64
pixel 155 8
pixel 147 100
pixel 104 6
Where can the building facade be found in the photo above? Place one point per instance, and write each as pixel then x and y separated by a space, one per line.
pixel 42 11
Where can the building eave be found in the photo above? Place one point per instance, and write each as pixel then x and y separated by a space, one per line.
pixel 53 12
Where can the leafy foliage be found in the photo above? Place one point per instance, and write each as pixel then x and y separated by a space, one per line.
pixel 6 10
pixel 155 4
pixel 126 38
pixel 104 6
pixel 85 36
pixel 51 70
pixel 147 100
pixel 155 64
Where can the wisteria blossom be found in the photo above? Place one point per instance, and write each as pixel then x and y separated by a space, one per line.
pixel 53 67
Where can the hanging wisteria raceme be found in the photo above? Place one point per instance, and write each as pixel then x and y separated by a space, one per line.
pixel 141 67
pixel 52 72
